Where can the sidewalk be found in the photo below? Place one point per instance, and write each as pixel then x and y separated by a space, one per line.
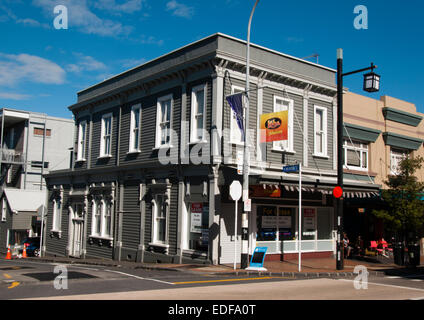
pixel 317 267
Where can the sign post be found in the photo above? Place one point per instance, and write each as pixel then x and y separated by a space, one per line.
pixel 235 193
pixel 298 168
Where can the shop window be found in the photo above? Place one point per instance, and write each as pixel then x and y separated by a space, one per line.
pixel 198 226
pixel 309 224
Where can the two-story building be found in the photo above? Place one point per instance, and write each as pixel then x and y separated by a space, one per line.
pixel 32 144
pixel 156 148
pixel 378 134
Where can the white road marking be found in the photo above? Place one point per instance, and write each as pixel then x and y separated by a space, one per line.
pixel 387 285
pixel 137 277
pixel 393 277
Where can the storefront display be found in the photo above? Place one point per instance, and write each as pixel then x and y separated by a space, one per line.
pixel 199 231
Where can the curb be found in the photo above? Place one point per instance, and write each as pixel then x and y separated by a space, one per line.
pixel 300 275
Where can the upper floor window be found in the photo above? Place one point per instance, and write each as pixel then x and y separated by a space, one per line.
pixel 396 156
pixel 163 121
pixel 82 133
pixel 106 135
pixel 236 135
pixel 40 132
pixel 198 103
pixel 355 155
pixel 135 128
pixel 284 104
pixel 320 131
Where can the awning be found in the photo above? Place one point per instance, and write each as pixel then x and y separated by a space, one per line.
pixel 25 200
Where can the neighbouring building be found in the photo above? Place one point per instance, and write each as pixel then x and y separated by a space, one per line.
pixel 32 144
pixel 378 134
pixel 156 148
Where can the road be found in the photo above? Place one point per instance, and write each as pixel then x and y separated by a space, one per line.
pixel 22 279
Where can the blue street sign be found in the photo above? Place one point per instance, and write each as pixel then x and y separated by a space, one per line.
pixel 293 168
pixel 258 257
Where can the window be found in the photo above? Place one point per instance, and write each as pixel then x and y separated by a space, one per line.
pixel 106 136
pixel 82 131
pixel 39 164
pixel 396 156
pixel 320 131
pixel 355 155
pixel 163 121
pixel 159 219
pixel 40 132
pixel 135 128
pixel 198 103
pixel 283 104
pixel 57 207
pixel 101 218
pixel 3 209
pixel 235 132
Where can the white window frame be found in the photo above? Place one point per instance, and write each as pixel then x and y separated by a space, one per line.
pixel 3 209
pixel 103 136
pixel 278 145
pixel 233 122
pixel 103 233
pixel 107 233
pixel 363 148
pixel 134 130
pixel 158 140
pixel 156 217
pixel 96 217
pixel 57 215
pixel 195 114
pixel 323 132
pixel 82 139
pixel 397 154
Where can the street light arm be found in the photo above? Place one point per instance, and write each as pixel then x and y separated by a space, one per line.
pixel 360 70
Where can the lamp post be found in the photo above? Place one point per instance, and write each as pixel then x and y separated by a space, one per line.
pixel 244 218
pixel 371 84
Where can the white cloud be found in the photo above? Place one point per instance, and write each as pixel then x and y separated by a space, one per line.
pixel 85 63
pixel 82 18
pixel 180 9
pixel 129 6
pixel 25 67
pixel 14 96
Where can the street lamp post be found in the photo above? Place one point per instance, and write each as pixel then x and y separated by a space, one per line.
pixel 371 84
pixel 244 219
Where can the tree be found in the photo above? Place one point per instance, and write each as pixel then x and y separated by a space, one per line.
pixel 404 210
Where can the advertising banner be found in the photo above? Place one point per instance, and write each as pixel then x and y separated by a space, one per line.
pixel 274 126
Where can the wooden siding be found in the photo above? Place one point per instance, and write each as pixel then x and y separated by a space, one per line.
pixel 131 215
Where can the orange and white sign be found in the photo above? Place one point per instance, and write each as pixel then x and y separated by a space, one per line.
pixel 274 126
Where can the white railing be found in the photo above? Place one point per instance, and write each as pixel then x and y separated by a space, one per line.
pixel 12 156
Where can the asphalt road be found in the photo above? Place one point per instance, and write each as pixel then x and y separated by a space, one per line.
pixel 22 279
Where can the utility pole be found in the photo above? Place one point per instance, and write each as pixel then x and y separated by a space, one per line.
pixel 244 218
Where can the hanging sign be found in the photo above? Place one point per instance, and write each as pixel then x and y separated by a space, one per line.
pixel 274 126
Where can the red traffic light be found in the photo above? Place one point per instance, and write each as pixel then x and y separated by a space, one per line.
pixel 337 192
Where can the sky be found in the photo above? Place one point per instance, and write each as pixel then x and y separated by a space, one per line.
pixel 42 68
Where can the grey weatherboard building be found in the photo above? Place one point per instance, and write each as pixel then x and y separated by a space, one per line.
pixel 121 201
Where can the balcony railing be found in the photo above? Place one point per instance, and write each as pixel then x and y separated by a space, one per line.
pixel 12 156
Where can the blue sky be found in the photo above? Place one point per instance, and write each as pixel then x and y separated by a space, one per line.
pixel 42 68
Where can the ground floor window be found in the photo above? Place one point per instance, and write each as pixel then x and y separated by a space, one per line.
pixel 198 226
pixel 17 236
pixel 273 218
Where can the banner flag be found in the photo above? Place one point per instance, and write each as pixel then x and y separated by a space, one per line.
pixel 274 126
pixel 236 103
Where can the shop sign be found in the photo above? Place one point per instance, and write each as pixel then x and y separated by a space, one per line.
pixel 260 192
pixel 196 217
pixel 274 126
pixel 309 219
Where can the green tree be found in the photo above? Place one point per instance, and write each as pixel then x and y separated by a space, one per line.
pixel 404 210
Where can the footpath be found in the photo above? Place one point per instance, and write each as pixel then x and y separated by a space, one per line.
pixel 311 268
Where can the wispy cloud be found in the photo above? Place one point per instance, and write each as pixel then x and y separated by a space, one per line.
pixel 85 63
pixel 129 6
pixel 180 9
pixel 14 96
pixel 25 67
pixel 83 19
pixel 131 63
pixel 7 15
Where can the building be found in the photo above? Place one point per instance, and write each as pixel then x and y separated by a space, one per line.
pixel 32 144
pixel 157 146
pixel 378 134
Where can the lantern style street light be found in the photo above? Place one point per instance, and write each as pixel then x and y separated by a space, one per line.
pixel 371 84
